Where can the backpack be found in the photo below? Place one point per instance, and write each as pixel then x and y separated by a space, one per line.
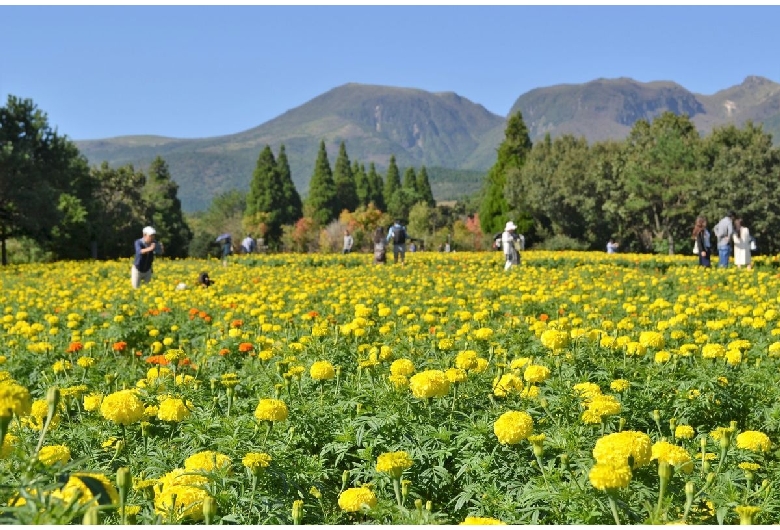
pixel 399 235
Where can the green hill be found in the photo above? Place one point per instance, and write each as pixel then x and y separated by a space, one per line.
pixel 454 137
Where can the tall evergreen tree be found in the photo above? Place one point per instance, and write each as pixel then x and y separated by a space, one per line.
pixel 266 195
pixel 376 186
pixel 322 190
pixel 164 209
pixel 292 209
pixel 392 180
pixel 512 152
pixel 346 192
pixel 424 187
pixel 410 179
pixel 362 186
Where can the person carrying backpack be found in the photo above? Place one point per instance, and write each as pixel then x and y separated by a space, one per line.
pixel 397 234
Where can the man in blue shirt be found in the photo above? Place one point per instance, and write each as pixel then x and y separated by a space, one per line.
pixel 144 256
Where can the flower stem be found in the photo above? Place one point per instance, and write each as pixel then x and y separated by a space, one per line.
pixel 613 507
pixel 397 488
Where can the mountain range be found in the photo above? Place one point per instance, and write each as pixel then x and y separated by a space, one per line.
pixel 454 137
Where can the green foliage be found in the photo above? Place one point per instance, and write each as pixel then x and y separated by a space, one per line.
pixel 410 179
pixel 292 208
pixel 376 187
pixel 266 206
pixel 322 198
pixel 344 179
pixel 512 153
pixel 225 215
pixel 362 185
pixel 160 193
pixel 423 187
pixel 392 180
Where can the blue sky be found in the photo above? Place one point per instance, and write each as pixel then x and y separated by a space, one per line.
pixel 196 71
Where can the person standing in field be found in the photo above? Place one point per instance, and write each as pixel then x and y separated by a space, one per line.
pixel 701 237
pixel 511 254
pixel 724 230
pixel 248 245
pixel 612 246
pixel 141 271
pixel 348 242
pixel 397 234
pixel 227 250
pixel 380 251
pixel 742 239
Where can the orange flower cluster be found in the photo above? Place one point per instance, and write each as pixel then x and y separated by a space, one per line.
pixel 75 347
pixel 119 346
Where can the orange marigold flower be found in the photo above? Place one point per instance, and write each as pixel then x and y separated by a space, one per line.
pixel 74 347
pixel 313 314
pixel 237 323
pixel 224 351
pixel 157 359
pixel 544 317
pixel 245 347
pixel 203 314
pixel 119 346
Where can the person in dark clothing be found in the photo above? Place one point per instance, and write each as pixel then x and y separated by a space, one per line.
pixel 701 236
pixel 204 280
pixel 141 272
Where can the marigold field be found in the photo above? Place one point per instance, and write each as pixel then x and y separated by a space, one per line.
pixel 579 388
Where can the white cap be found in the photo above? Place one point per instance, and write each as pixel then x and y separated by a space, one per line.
pixel 149 231
pixel 510 226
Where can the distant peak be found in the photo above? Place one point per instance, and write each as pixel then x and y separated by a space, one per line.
pixel 756 80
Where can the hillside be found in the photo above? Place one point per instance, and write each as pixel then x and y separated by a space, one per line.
pixel 435 129
pixel 454 137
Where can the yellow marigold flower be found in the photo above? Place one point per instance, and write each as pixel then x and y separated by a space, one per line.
pixel 733 357
pixel 519 363
pixel 483 334
pixel 774 349
pixel 38 413
pixel 482 365
pixel 393 463
pixel 322 371
pixel 555 340
pixel 684 432
pixel 456 375
pixel 180 477
pixel 271 410
pixel 467 360
pixel 123 407
pixel 603 405
pixel 749 466
pixel 182 502
pixel 399 381
pixel 86 362
pixel 587 390
pixel 402 367
pixel 610 477
pixel 9 443
pixel 673 455
pixel 256 461
pixel 76 490
pixel 536 374
pixel 507 384
pixel 446 344
pixel 626 447
pixel 530 392
pixel 157 372
pixel 480 521
pixel 713 351
pixel 662 356
pixel 173 409
pixel 753 441
pixel 635 348
pixel 50 454
pixel 719 433
pixel 62 366
pixel 619 385
pixel 651 339
pixel 206 461
pixel 353 499
pixel 513 426
pixel 428 384
pixel 14 398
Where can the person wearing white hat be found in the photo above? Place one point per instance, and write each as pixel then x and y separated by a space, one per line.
pixel 508 245
pixel 144 256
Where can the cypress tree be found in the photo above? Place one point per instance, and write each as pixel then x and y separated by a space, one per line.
pixel 511 155
pixel 322 190
pixel 392 180
pixel 292 209
pixel 346 192
pixel 410 179
pixel 164 209
pixel 376 186
pixel 362 186
pixel 266 194
pixel 424 187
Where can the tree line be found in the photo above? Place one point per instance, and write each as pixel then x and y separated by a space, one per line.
pixel 645 191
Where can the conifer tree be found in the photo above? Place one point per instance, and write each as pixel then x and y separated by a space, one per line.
pixel 512 153
pixel 266 195
pixel 362 186
pixel 292 208
pixel 322 190
pixel 392 180
pixel 376 186
pixel 164 210
pixel 424 187
pixel 410 179
pixel 346 192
